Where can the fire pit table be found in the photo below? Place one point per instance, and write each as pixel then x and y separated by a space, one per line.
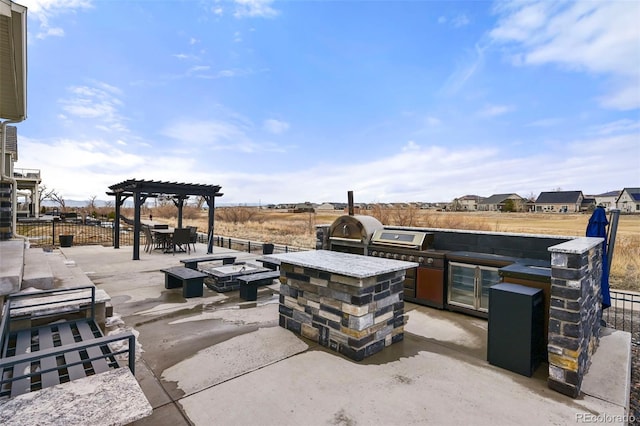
pixel 225 278
pixel 349 303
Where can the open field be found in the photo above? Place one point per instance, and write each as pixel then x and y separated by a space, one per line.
pixel 298 229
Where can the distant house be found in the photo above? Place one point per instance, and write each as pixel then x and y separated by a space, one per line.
pixel 326 206
pixel 498 202
pixel 629 200
pixel 559 201
pixel 588 204
pixel 608 199
pixel 306 207
pixel 466 203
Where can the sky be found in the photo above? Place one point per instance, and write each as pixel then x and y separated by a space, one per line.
pixel 292 101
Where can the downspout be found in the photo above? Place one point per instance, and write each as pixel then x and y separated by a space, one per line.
pixel 4 177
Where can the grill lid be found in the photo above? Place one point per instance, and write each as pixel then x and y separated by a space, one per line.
pixel 354 228
pixel 417 240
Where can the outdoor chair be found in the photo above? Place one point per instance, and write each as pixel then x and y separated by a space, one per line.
pixel 148 239
pixel 193 238
pixel 181 239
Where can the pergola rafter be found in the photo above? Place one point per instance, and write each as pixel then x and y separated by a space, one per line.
pixel 140 190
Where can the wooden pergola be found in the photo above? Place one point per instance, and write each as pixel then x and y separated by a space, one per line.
pixel 140 190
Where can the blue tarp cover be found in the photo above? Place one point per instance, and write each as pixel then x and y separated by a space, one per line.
pixel 597 227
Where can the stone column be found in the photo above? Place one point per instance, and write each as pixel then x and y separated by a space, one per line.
pixel 575 312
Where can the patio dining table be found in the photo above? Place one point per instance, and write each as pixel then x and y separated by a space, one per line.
pixel 164 237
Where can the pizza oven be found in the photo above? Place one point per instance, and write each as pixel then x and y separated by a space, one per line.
pixel 352 233
pixel 424 284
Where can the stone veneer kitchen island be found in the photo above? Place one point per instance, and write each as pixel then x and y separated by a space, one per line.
pixel 349 303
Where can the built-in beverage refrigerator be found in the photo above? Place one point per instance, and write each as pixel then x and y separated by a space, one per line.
pixel 469 284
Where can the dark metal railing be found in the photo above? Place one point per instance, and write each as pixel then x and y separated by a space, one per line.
pixel 257 247
pixel 43 233
pixel 624 313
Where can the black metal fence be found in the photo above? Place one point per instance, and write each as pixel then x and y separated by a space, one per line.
pixel 624 313
pixel 252 246
pixel 51 232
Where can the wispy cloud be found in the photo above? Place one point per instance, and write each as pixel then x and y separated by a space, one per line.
pixel 254 9
pixel 217 135
pixel 465 70
pixel 619 126
pixel 495 110
pixel 594 37
pixel 460 20
pixel 457 21
pixel 99 102
pixel 229 73
pixel 433 121
pixel 546 122
pixel 45 11
pixel 275 127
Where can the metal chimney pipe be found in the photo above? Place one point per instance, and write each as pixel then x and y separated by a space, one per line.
pixel 350 202
pixel 613 230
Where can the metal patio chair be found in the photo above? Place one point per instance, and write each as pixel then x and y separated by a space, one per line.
pixel 181 239
pixel 193 237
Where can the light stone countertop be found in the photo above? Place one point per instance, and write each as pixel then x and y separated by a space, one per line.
pixel 351 265
pixel 56 303
pixel 110 398
pixel 577 246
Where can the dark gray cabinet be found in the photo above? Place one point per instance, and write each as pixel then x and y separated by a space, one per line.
pixel 516 324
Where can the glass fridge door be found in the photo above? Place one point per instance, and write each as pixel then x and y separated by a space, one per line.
pixel 462 288
pixel 488 277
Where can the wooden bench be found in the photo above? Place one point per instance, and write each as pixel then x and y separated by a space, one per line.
pixel 273 264
pixel 45 353
pixel 189 279
pixel 193 262
pixel 249 283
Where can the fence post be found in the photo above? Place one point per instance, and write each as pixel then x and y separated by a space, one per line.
pixel 249 246
pixel 229 243
pixel 53 232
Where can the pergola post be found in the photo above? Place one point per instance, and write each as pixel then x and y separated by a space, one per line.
pixel 179 203
pixel 138 199
pixel 211 203
pixel 116 222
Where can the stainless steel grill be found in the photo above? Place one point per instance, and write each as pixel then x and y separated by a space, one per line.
pixel 424 284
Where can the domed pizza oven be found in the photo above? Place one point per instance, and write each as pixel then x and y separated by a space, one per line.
pixel 352 234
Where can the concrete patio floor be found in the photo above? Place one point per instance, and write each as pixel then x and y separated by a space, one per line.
pixel 219 360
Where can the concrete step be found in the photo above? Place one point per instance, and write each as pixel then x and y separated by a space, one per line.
pixel 66 272
pixel 11 266
pixel 37 272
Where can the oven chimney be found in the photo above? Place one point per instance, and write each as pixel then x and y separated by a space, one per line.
pixel 350 202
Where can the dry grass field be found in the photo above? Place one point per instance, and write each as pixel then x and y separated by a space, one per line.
pixel 298 229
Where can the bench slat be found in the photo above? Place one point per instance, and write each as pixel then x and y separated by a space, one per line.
pixel 66 337
pixel 184 273
pixel 259 277
pixel 100 365
pixel 23 344
pixel 193 262
pixel 45 339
